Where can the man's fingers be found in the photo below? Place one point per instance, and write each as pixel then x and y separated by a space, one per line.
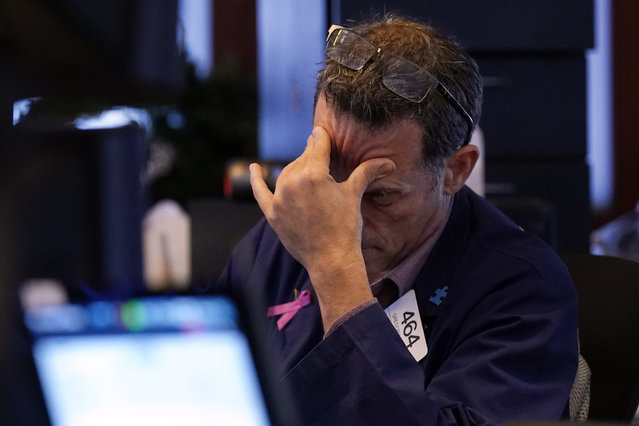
pixel 261 192
pixel 368 172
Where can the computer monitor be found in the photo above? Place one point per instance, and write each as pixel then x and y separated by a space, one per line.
pixel 156 360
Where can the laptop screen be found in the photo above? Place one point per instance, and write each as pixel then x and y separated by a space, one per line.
pixel 160 361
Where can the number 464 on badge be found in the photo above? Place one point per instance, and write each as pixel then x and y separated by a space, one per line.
pixel 404 315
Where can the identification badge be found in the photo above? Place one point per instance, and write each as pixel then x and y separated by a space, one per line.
pixel 404 315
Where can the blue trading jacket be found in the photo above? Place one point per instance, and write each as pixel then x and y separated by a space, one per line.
pixel 502 337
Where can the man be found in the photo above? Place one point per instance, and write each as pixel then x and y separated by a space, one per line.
pixel 483 326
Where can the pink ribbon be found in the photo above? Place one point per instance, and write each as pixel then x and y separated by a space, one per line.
pixel 288 310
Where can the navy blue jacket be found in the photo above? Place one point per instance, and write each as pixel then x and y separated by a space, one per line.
pixel 502 343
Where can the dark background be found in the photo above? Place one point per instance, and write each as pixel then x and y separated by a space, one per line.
pixel 569 25
pixel 88 54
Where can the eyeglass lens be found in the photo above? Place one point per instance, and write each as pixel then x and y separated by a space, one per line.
pixel 349 49
pixel 403 78
pixel 407 80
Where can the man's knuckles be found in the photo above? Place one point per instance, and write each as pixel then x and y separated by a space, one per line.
pixel 303 180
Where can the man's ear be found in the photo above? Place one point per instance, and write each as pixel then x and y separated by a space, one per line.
pixel 458 168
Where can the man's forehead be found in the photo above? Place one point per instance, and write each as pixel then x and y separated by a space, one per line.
pixel 356 141
pixel 353 142
pixel 358 145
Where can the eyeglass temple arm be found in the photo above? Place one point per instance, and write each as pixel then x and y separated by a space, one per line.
pixel 333 28
pixel 455 103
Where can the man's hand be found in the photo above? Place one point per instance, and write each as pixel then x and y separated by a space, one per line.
pixel 319 222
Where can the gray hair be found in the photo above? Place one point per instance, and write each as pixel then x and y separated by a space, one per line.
pixel 362 95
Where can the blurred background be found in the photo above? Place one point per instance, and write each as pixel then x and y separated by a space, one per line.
pixel 126 128
pixel 136 102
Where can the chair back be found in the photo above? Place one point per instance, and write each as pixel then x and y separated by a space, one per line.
pixel 608 291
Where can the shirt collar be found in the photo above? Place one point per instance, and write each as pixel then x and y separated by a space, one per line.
pixel 405 273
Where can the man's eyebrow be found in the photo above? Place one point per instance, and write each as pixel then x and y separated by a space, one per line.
pixel 383 190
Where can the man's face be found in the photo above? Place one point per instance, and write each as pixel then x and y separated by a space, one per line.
pixel 399 211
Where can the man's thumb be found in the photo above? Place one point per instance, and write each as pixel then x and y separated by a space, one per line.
pixel 369 171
